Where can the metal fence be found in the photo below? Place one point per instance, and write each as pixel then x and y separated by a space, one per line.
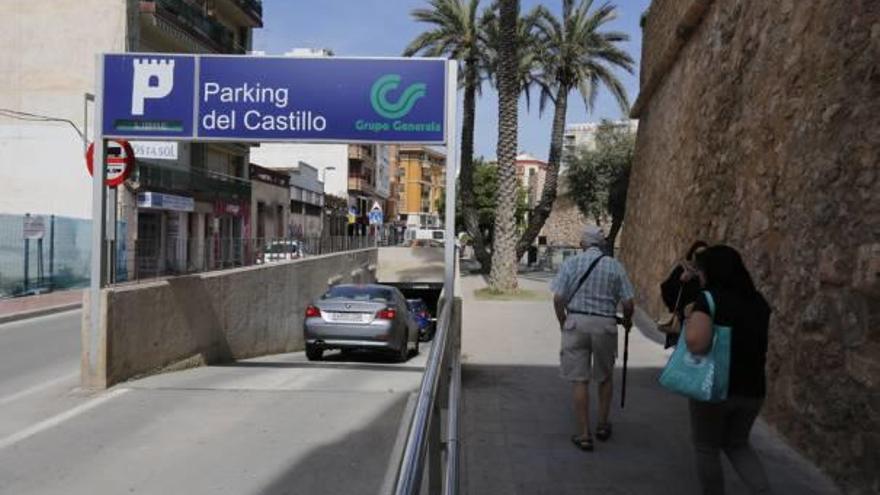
pixel 152 258
pixel 57 254
pixel 54 255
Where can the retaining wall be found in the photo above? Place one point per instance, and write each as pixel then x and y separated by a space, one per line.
pixel 212 317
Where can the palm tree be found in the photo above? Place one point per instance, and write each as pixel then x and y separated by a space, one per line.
pixel 456 33
pixel 527 55
pixel 504 260
pixel 575 54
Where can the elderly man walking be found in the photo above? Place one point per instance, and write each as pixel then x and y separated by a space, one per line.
pixel 586 294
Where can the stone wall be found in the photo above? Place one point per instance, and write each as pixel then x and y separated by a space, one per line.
pixel 763 132
pixel 566 223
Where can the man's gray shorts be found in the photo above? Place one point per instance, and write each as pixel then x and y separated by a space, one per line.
pixel 589 347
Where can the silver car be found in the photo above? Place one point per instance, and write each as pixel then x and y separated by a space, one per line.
pixel 369 316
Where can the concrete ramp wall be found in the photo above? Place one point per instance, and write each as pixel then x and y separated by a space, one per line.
pixel 212 317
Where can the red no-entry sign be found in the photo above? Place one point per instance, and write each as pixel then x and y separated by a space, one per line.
pixel 120 161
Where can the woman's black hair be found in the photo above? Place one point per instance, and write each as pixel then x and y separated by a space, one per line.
pixel 724 269
pixel 693 249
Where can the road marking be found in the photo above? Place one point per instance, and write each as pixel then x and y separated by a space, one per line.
pixel 37 388
pixel 59 418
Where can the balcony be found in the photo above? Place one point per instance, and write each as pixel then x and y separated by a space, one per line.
pixel 241 12
pixel 361 152
pixel 190 21
pixel 253 8
pixel 203 185
pixel 360 184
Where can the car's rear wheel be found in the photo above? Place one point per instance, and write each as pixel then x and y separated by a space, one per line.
pixel 403 352
pixel 314 353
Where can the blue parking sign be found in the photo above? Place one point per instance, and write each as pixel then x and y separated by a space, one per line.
pixel 149 95
pixel 261 99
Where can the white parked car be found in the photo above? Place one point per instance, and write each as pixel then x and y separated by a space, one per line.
pixel 281 250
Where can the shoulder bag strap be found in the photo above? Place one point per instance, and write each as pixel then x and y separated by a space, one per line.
pixel 711 302
pixel 584 278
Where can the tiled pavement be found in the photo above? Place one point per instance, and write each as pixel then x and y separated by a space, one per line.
pixel 517 416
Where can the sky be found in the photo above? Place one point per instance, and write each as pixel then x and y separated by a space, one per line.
pixel 384 28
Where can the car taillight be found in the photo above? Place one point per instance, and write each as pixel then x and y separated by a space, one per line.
pixel 312 312
pixel 386 314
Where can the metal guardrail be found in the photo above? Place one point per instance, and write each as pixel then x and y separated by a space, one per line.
pixel 441 385
pixel 146 259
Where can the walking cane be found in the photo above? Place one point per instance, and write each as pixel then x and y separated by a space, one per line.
pixel 625 359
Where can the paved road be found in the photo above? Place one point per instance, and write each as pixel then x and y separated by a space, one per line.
pixel 273 425
pixel 39 369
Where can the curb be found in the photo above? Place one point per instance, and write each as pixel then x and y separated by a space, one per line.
pixel 24 315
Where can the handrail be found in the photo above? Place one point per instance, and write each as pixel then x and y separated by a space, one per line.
pixel 412 465
pixel 450 487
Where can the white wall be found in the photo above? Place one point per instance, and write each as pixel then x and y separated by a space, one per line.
pixel 320 156
pixel 46 65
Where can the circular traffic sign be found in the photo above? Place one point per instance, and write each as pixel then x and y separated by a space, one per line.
pixel 119 161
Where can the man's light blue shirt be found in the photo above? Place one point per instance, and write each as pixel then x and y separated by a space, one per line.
pixel 600 294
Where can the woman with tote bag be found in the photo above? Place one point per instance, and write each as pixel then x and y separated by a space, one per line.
pixel 729 300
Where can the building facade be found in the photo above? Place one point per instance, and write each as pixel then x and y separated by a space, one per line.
pixel 306 202
pixel 583 135
pixel 270 203
pixel 178 204
pixel 359 173
pixel 531 173
pixel 421 182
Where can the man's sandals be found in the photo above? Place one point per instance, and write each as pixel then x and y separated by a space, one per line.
pixel 583 442
pixel 603 431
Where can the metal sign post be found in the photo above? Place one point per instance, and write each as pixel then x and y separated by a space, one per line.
pixel 99 253
pixel 449 257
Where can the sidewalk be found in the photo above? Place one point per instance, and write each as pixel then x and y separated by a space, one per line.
pixel 20 308
pixel 517 416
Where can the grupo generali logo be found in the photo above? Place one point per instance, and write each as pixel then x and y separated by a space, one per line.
pixel 405 102
pixel 395 108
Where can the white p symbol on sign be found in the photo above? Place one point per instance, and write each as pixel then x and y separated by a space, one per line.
pixel 153 79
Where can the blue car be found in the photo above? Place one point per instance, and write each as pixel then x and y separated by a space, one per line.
pixel 419 310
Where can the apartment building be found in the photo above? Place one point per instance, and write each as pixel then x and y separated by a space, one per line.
pixel 306 202
pixel 358 173
pixel 531 173
pixel 183 198
pixel 584 135
pixel 420 183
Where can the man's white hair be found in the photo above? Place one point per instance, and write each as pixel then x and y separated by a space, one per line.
pixel 592 236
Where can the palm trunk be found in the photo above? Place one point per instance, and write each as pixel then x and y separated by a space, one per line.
pixel 541 213
pixel 616 223
pixel 466 177
pixel 503 275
